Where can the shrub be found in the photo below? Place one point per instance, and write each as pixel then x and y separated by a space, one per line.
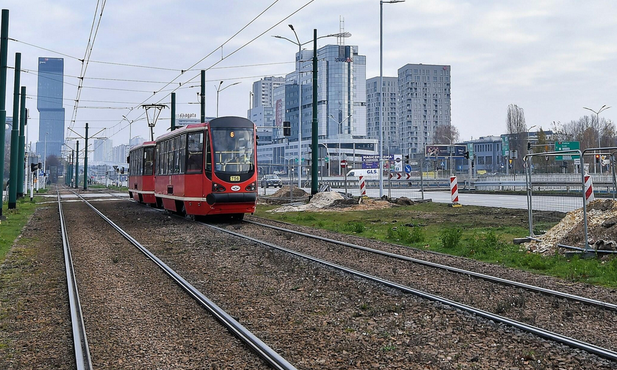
pixel 450 238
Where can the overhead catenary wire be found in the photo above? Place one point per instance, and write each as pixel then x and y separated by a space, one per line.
pixel 230 54
pixel 96 22
pixel 89 47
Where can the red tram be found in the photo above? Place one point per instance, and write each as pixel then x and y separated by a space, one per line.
pixel 141 173
pixel 208 168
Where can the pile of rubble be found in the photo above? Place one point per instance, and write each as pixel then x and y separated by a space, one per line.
pixel 570 231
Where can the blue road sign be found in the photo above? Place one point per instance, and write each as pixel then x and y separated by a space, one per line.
pixel 407 168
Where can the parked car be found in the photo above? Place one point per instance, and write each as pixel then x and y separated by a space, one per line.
pixel 271 180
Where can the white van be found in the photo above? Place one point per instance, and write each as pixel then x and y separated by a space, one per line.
pixel 368 173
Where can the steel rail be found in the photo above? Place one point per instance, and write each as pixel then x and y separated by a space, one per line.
pixel 450 268
pixel 256 344
pixel 599 351
pixel 83 360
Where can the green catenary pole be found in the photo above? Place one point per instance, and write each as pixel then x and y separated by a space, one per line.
pixel 203 96
pixel 22 145
pixel 86 159
pixel 315 128
pixel 4 45
pixel 72 166
pixel 173 111
pixel 14 136
pixel 77 166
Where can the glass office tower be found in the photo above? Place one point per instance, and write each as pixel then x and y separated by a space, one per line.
pixel 49 104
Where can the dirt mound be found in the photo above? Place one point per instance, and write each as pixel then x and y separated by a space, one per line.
pixel 318 202
pixel 601 229
pixel 284 193
pixel 335 201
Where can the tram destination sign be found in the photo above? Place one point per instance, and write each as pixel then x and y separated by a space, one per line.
pixel 561 146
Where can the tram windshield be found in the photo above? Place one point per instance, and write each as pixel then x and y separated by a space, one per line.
pixel 233 150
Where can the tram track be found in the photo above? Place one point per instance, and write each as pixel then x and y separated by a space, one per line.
pixel 596 317
pixel 320 309
pixel 253 344
pixel 81 350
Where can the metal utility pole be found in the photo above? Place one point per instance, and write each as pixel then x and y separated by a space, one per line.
pixel 203 96
pixel 14 136
pixel 86 159
pixel 173 111
pixel 315 128
pixel 4 41
pixel 22 145
pixel 381 105
pixel 77 166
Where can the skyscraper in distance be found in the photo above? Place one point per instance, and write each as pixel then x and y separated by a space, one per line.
pixel 49 105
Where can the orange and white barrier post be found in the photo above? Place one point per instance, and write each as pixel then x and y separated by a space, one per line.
pixel 588 189
pixel 362 187
pixel 454 191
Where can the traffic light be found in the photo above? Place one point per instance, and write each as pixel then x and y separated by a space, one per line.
pixel 528 146
pixel 286 128
pixel 407 158
pixel 597 158
pixel 33 167
pixel 466 155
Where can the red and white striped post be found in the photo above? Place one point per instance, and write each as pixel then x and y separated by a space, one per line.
pixel 454 190
pixel 362 187
pixel 588 189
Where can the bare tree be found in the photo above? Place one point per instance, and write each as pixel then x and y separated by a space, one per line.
pixel 446 134
pixel 517 133
pixel 587 132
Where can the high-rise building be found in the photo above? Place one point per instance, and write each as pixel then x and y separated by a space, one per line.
pixel 391 129
pixel 49 105
pixel 423 104
pixel 341 94
pixel 263 110
pixel 341 111
pixel 102 150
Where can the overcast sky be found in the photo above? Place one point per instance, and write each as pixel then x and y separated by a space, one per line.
pixel 552 58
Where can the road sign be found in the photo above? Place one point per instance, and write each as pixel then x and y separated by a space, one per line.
pixel 407 168
pixel 567 145
pixel 343 163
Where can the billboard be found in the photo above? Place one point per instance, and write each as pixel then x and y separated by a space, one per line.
pixel 441 151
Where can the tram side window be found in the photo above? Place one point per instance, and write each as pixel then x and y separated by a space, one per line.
pixel 170 157
pixel 148 161
pixel 159 170
pixel 179 144
pixel 208 156
pixel 195 152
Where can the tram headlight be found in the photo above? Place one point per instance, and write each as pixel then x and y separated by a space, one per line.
pixel 216 188
pixel 251 187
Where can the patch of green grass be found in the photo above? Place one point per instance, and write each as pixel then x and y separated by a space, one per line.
pixel 14 222
pixel 481 233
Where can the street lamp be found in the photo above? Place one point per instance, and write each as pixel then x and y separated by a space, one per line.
pixel 218 90
pixel 381 2
pixel 299 44
pixel 604 107
pixel 130 126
